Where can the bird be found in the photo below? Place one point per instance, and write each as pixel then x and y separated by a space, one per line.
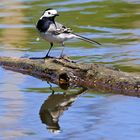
pixel 56 33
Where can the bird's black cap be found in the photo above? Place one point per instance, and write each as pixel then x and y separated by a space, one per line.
pixel 49 9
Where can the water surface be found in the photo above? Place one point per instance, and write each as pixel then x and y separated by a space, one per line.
pixel 27 104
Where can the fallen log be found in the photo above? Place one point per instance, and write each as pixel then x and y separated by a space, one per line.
pixel 67 73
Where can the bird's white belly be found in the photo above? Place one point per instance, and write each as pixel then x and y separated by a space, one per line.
pixel 56 38
pixel 51 38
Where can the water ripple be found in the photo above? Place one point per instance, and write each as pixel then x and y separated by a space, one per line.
pixel 6 26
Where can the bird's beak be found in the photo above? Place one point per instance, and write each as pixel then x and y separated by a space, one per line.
pixel 56 14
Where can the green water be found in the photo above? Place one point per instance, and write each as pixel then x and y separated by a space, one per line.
pixel 26 103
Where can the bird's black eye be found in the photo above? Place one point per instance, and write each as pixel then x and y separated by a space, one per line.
pixel 49 13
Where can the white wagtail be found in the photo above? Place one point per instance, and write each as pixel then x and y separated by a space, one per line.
pixel 54 32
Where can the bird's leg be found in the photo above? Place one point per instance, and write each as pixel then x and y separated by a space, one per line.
pixel 61 55
pixel 47 55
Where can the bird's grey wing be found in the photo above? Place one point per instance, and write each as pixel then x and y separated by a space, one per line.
pixel 61 29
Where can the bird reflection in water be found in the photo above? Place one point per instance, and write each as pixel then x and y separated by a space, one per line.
pixel 54 107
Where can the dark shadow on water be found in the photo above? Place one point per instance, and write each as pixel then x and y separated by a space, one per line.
pixel 54 106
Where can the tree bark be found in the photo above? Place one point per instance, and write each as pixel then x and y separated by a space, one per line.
pixel 64 72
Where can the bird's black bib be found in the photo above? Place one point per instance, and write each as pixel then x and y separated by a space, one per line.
pixel 43 24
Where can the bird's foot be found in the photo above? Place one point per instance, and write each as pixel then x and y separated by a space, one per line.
pixel 62 56
pixel 46 57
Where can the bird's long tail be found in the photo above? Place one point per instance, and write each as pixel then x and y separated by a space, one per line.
pixel 86 39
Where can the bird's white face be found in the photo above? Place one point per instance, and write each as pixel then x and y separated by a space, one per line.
pixel 49 13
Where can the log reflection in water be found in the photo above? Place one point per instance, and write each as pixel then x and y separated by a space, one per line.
pixel 54 106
